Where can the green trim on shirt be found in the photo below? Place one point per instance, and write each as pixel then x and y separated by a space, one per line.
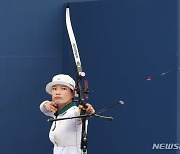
pixel 65 108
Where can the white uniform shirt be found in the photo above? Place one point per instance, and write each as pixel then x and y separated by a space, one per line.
pixel 65 134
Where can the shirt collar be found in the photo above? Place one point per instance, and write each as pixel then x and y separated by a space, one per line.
pixel 65 108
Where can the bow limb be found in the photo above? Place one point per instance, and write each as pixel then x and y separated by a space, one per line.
pixel 73 41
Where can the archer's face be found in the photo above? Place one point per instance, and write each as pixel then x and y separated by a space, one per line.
pixel 62 94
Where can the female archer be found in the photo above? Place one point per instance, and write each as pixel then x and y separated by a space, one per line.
pixel 64 134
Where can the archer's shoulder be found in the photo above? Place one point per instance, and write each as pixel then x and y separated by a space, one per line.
pixel 73 111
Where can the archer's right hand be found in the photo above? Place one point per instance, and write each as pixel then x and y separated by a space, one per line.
pixel 50 106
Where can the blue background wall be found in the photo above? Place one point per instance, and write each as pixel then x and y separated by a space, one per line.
pixel 121 43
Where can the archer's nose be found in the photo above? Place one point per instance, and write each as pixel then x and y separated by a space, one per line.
pixel 58 93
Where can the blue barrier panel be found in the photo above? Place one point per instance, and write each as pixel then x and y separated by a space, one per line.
pixel 121 44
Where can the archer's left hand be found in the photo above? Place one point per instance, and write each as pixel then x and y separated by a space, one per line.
pixel 89 109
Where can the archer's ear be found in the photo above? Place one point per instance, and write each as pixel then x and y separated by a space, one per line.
pixel 73 94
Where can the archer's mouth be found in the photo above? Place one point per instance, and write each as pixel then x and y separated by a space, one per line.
pixel 57 97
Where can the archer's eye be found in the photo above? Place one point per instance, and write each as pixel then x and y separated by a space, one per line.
pixel 64 88
pixel 54 88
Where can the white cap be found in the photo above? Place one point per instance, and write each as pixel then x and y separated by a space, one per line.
pixel 61 79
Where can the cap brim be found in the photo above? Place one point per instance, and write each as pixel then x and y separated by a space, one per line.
pixel 51 84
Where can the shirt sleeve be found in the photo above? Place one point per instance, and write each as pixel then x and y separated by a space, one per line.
pixel 78 121
pixel 44 110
